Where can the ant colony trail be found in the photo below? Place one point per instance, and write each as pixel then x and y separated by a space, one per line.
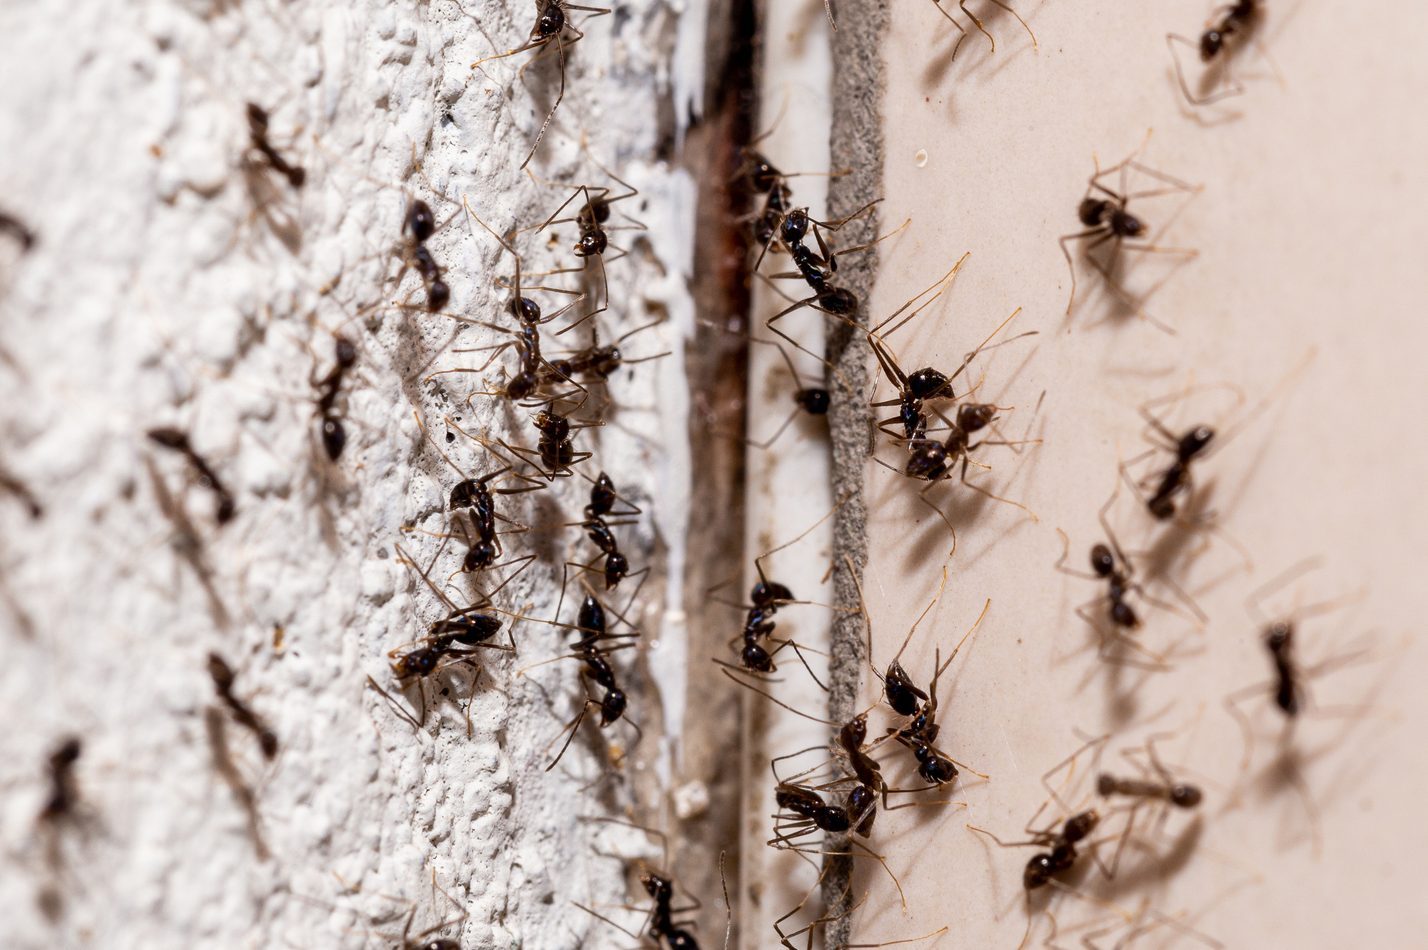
pixel 722 473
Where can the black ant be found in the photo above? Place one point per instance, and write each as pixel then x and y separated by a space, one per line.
pixel 419 225
pixel 598 527
pixel 1162 789
pixel 804 812
pixel 1110 565
pixel 1105 216
pixel 549 32
pixel 1236 20
pixel 223 677
pixel 334 433
pixel 807 400
pixel 592 223
pixel 554 456
pixel 535 373
pixel 477 498
pixel 13 226
pixel 454 640
pixel 596 361
pixel 177 440
pixel 590 650
pixel 63 796
pixel 258 132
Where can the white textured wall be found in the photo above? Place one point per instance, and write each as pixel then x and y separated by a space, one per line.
pixel 157 296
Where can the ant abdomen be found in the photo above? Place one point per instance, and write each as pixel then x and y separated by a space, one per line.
pixel 1038 872
pixel 815 402
pixel 334 438
pixel 1185 796
pixel 929 383
pixel 420 221
pixel 1123 615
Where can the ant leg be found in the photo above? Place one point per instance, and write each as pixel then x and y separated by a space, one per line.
pixel 922 496
pixel 801 658
pixel 983 491
pixel 1111 639
pixel 1036 47
pixel 393 703
pixel 1060 564
pixel 935 290
pixel 1105 235
pixel 980 28
pixel 724 668
pixel 573 727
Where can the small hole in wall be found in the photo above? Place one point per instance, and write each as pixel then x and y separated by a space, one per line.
pixel 920 159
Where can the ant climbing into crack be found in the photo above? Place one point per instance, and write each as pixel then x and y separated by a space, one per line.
pixel 591 650
pixel 549 32
pixel 1106 220
pixel 176 440
pixel 223 679
pixel 600 518
pixel 334 432
pixel 1110 565
pixel 454 640
pixel 1235 24
pixel 477 498
pixel 258 136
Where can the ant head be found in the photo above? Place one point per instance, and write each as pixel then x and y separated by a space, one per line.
pixel 854 731
pixel 927 383
pixel 438 294
pixel 768 593
pixel 1194 442
pixel 612 707
pixel 1103 562
pixel 659 888
pixel 1125 224
pixel 591 618
pixel 813 401
pixel 1279 636
pixel 1091 210
pixel 334 437
pixel 67 754
pixel 552 425
pixel 524 309
pixel 795 226
pixel 481 555
pixel 1211 42
pixel 756 658
pixel 420 221
pixel 257 118
pixel 763 176
pixel 838 300
pixel 551 20
pixel 901 693
pixel 974 416
pixel 1184 796
pixel 617 566
pixel 467 493
pixel 1162 509
pixel 592 243
pixel 1105 784
pixel 1038 872
pixel 1080 826
pixel 607 360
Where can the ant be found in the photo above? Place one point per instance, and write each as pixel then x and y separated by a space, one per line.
pixel 809 400
pixel 554 456
pixel 13 226
pixel 64 793
pixel 602 504
pixel 177 440
pixel 334 433
pixel 549 32
pixel 595 361
pixel 477 498
pixel 453 640
pixel 258 132
pixel 589 650
pixel 223 677
pixel 804 812
pixel 1105 216
pixel 1236 20
pixel 1162 789
pixel 1110 564
pixel 418 226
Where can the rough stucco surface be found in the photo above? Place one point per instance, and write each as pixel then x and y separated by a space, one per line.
pixel 158 296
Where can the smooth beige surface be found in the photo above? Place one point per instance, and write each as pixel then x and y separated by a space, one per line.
pixel 1311 233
